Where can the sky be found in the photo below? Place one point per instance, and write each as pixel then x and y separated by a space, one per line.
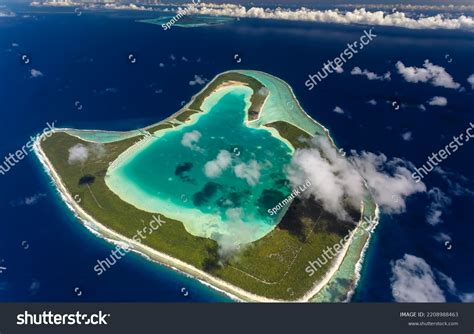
pixel 293 2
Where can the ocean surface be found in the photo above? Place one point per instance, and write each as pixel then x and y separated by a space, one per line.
pixel 104 70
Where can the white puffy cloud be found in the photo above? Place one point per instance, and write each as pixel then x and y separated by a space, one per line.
pixel 372 102
pixel 55 3
pixel 357 16
pixel 337 180
pixel 35 73
pixel 370 75
pixel 190 140
pixel 130 6
pixel 7 13
pixel 467 297
pixel 422 107
pixel 248 171
pixel 228 246
pixel 333 178
pixel 29 200
pixel 439 101
pixel 214 168
pixel 438 205
pixel 434 74
pixel 470 79
pixel 78 153
pixel 390 181
pixel 407 136
pixel 413 281
pixel 198 80
pixel 338 110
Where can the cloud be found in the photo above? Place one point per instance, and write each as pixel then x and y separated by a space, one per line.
pixel 439 101
pixel 370 75
pixel 130 6
pixel 439 203
pixel 190 140
pixel 442 237
pixel 338 110
pixel 390 181
pixel 372 102
pixel 467 297
pixel 228 246
pixel 214 168
pixel 183 58
pixel 35 73
pixel 97 150
pixel 250 172
pixel 413 281
pixel 332 177
pixel 422 107
pixel 55 3
pixel 470 79
pixel 407 136
pixel 34 287
pixel 78 153
pixel 357 16
pixel 454 181
pixel 161 65
pixel 30 200
pixel 198 80
pixel 7 13
pixel 434 74
pixel 264 91
pixel 337 181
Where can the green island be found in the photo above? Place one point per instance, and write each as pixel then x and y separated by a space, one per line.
pixel 119 186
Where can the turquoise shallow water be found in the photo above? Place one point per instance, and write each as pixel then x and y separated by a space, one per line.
pixel 216 175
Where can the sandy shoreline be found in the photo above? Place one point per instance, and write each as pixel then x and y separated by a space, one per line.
pixel 230 290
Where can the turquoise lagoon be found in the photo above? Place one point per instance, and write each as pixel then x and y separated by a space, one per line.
pixel 215 174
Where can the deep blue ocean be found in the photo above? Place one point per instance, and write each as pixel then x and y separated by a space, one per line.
pixel 49 255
